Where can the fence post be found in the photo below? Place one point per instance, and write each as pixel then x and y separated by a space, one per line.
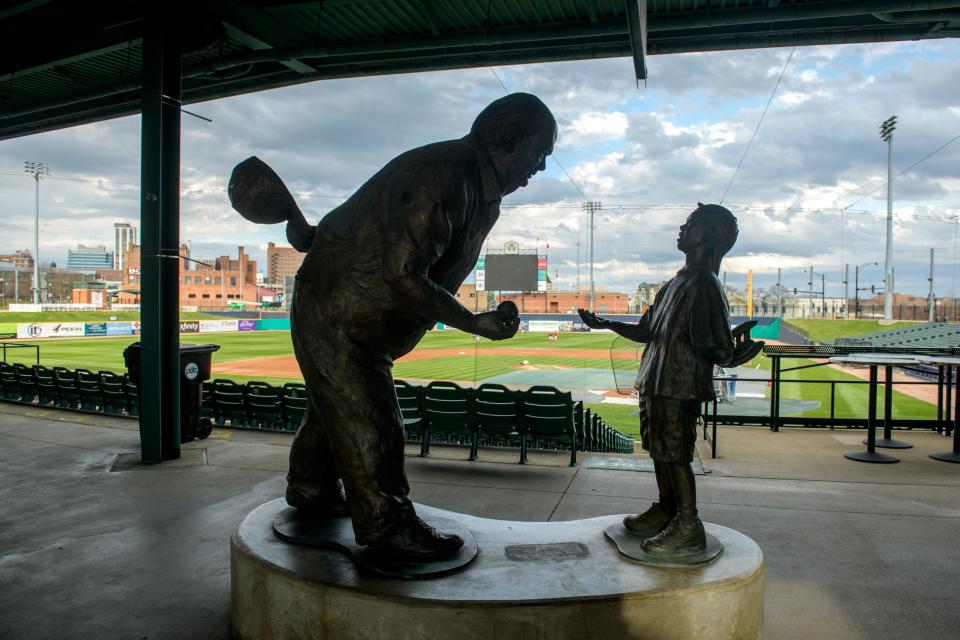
pixel 833 391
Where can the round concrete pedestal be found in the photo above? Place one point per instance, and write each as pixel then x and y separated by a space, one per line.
pixel 531 580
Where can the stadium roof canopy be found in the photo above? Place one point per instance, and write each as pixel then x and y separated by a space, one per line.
pixel 65 62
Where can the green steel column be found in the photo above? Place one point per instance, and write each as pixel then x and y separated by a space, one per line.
pixel 160 239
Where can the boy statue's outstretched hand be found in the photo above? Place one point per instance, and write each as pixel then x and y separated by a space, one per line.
pixel 744 349
pixel 592 320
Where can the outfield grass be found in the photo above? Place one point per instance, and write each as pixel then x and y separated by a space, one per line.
pixel 107 354
pixel 821 330
pixel 850 400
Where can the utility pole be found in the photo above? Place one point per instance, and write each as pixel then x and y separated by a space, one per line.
pixel 823 295
pixel 779 296
pixel 846 291
pixel 578 265
pixel 886 134
pixel 931 300
pixel 810 290
pixel 37 169
pixel 857 288
pixel 592 206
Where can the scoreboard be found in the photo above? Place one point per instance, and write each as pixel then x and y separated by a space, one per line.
pixel 511 272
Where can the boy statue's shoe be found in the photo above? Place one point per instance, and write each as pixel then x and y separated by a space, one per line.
pixel 328 507
pixel 650 522
pixel 417 540
pixel 683 536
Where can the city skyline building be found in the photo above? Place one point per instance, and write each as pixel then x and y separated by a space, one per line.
pixel 21 258
pixel 86 258
pixel 124 236
pixel 282 262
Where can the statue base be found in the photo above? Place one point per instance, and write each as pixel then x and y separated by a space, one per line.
pixel 530 580
pixel 337 534
pixel 630 545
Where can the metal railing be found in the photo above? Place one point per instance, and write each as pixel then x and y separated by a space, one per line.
pixel 20 345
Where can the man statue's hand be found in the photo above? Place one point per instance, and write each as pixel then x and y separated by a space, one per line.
pixel 500 324
pixel 592 320
pixel 744 349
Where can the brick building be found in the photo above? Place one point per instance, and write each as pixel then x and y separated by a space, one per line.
pixel 21 259
pixel 214 285
pixel 604 302
pixel 469 297
pixel 282 262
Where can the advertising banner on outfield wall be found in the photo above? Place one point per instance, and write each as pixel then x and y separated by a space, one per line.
pixel 217 326
pixel 95 329
pixel 246 325
pixel 190 326
pixel 120 329
pixel 50 330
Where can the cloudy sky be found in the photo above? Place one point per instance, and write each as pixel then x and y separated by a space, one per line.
pixel 648 154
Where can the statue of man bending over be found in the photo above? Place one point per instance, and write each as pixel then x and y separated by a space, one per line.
pixel 381 269
pixel 687 331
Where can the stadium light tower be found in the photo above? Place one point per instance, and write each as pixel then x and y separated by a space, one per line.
pixel 886 134
pixel 592 206
pixel 37 169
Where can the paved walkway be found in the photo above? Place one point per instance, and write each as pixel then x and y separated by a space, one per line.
pixel 95 545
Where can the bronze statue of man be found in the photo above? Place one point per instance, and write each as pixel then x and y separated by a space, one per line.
pixel 687 331
pixel 381 269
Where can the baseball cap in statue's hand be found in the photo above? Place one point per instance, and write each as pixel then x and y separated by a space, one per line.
pixel 258 194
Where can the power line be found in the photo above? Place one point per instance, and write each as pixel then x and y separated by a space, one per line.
pixel 553 155
pixel 757 128
pixel 935 151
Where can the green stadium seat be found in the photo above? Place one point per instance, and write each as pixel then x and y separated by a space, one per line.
pixel 28 383
pixel 46 386
pixel 497 415
pixel 448 412
pixel 414 426
pixel 294 408
pixel 295 389
pixel 548 417
pixel 133 397
pixel 264 405
pixel 229 405
pixel 9 385
pixel 68 390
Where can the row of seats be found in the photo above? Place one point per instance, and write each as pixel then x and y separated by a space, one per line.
pixel 926 335
pixel 101 392
pixel 492 414
pixel 254 405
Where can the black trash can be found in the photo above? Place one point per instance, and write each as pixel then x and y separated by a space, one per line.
pixel 195 362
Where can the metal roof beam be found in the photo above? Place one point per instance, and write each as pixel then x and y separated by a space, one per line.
pixel 255 29
pixel 637 28
pixel 22 7
pixel 810 11
pixel 57 52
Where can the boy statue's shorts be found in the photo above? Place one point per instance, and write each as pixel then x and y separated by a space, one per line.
pixel 668 428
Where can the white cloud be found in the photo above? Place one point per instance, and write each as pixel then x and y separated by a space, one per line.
pixel 594 127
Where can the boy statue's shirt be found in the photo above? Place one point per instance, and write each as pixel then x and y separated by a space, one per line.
pixel 689 332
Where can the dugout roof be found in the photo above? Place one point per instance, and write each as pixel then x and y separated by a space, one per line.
pixel 66 62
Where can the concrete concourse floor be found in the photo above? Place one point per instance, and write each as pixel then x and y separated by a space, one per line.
pixel 95 545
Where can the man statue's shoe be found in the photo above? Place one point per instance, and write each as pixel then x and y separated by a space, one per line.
pixel 416 540
pixel 683 536
pixel 327 507
pixel 650 522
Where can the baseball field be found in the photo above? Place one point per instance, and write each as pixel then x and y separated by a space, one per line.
pixel 578 361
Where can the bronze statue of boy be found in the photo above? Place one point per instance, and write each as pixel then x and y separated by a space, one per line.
pixel 687 331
